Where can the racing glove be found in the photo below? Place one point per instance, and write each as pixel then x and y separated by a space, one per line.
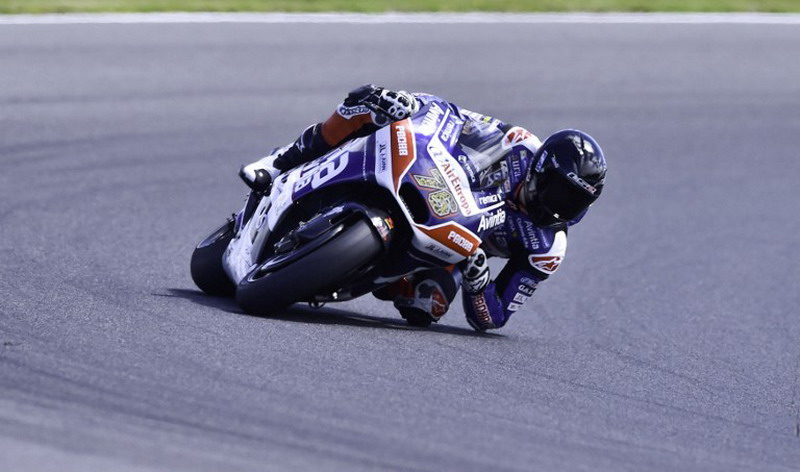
pixel 475 272
pixel 386 105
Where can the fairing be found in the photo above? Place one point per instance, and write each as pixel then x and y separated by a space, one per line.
pixel 415 155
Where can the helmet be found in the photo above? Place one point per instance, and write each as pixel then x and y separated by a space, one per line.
pixel 566 175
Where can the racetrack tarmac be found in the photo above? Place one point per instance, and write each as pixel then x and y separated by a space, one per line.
pixel 668 340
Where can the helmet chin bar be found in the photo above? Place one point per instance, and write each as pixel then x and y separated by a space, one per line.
pixel 542 216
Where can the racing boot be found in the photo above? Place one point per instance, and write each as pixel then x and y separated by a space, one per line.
pixel 427 305
pixel 428 297
pixel 260 174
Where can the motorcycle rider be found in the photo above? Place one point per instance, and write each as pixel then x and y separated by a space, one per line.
pixel 548 187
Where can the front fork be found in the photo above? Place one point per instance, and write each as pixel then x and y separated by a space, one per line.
pixel 250 205
pixel 238 258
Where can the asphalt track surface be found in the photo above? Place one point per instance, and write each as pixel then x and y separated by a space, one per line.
pixel 668 340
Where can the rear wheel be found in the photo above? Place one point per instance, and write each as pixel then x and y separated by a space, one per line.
pixel 303 267
pixel 207 270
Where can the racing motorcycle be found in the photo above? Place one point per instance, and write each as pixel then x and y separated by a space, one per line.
pixel 364 215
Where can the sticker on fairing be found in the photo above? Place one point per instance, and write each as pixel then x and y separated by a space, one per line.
pixel 442 203
pixel 432 181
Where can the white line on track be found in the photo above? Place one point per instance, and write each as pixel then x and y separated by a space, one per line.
pixel 377 18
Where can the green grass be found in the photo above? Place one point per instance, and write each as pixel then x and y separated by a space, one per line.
pixel 64 6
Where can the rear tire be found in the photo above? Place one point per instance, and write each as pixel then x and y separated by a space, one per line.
pixel 207 270
pixel 318 267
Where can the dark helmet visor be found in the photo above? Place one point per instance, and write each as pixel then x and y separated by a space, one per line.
pixel 557 199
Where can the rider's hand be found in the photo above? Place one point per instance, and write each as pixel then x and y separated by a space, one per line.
pixel 475 272
pixel 386 105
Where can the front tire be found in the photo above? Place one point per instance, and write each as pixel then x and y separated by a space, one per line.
pixel 320 266
pixel 207 270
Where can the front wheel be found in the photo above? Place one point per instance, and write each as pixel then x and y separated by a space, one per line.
pixel 207 270
pixel 319 266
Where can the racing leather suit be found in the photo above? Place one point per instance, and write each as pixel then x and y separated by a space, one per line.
pixel 493 154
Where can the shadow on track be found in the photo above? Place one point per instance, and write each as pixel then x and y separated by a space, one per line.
pixel 299 313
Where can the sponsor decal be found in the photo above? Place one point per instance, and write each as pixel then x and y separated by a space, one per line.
pixel 526 287
pixel 515 136
pixel 492 220
pixel 432 181
pixel 317 173
pixel 489 199
pixel 348 112
pixel 402 140
pixel 529 282
pixel 454 181
pixel 383 157
pixel 481 309
pixel 546 264
pixel 582 183
pixel 531 235
pixel 461 241
pixel 453 236
pixel 524 292
pixel 403 152
pixel 431 118
pixel 447 132
pixel 454 175
pixel 466 165
pixel 516 166
pixel 442 203
pixel 438 251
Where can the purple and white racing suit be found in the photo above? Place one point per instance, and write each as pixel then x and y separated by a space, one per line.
pixel 496 154
pixel 493 154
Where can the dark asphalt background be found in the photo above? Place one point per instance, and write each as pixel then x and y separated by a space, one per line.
pixel 667 341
